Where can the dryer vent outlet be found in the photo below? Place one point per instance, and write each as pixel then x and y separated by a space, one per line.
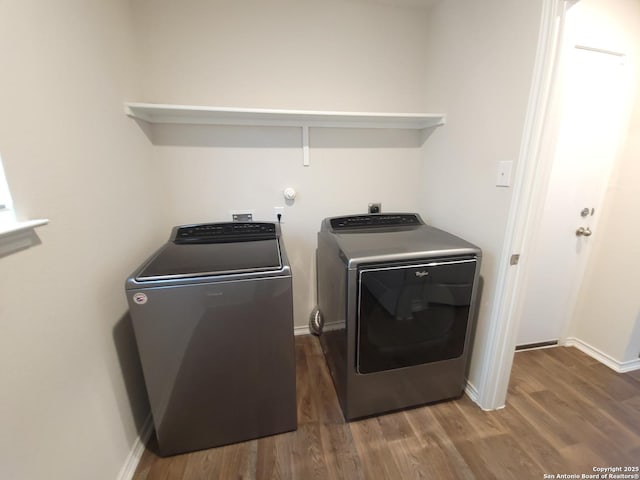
pixel 375 207
pixel 316 322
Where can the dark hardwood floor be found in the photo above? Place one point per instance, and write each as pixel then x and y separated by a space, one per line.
pixel 566 414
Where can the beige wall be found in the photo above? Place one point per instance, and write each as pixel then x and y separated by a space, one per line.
pixel 480 59
pixel 209 182
pixel 607 314
pixel 70 155
pixel 332 55
pixel 469 61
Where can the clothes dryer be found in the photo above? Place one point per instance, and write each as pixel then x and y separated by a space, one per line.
pixel 398 300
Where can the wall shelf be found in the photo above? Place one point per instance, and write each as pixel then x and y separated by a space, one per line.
pixel 160 113
pixel 304 119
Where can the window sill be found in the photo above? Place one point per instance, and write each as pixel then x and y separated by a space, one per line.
pixel 16 236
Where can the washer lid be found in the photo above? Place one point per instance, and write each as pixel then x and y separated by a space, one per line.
pixel 207 259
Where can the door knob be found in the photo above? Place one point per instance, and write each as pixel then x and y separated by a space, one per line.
pixel 583 232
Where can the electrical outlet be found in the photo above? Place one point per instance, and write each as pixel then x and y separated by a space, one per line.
pixel 278 211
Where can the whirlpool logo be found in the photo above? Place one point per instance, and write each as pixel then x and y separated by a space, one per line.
pixel 424 273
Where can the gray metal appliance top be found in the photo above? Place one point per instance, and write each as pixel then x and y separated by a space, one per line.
pixel 392 237
pixel 215 249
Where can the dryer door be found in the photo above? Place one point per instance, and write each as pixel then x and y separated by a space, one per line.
pixel 411 314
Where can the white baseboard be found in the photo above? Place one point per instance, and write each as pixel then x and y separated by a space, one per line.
pixel 609 361
pixel 133 459
pixel 303 330
pixel 328 327
pixel 472 392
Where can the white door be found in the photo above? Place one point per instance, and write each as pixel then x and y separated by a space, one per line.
pixel 592 103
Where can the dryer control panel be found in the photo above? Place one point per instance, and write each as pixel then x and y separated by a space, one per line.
pixel 376 220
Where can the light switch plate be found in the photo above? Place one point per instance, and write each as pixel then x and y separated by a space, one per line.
pixel 504 174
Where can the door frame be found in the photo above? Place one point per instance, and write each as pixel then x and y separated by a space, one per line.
pixel 530 185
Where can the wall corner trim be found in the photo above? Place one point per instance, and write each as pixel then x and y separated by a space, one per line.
pixel 472 392
pixel 496 365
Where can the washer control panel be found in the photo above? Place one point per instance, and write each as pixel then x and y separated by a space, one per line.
pixel 224 232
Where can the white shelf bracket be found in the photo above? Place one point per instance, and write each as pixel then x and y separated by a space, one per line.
pixel 305 145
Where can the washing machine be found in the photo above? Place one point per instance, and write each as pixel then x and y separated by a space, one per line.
pixel 396 305
pixel 212 313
